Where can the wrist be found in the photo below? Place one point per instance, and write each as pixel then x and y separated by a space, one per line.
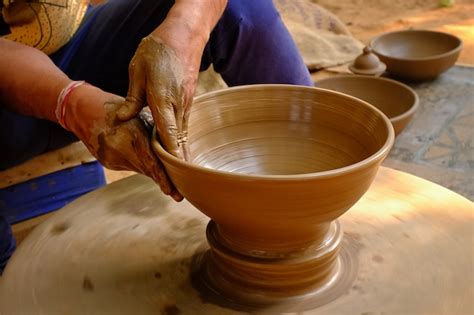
pixel 83 109
pixel 198 17
pixel 62 101
pixel 181 31
pixel 203 12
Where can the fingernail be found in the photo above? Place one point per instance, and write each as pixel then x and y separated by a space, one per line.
pixel 176 196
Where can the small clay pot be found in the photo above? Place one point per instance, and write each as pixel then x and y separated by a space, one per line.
pixel 274 166
pixel 417 54
pixel 367 64
pixel 396 100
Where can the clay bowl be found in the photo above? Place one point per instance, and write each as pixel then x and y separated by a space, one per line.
pixel 396 100
pixel 273 166
pixel 417 54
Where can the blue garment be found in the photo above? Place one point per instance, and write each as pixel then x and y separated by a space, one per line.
pixel 251 45
pixel 24 137
pixel 7 243
pixel 47 193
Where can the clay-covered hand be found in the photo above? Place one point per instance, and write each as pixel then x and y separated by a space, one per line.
pixel 118 145
pixel 158 79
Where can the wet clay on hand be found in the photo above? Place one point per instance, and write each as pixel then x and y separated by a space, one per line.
pixel 125 145
pixel 157 79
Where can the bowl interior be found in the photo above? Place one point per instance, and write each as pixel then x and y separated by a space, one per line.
pixel 415 44
pixel 391 97
pixel 283 130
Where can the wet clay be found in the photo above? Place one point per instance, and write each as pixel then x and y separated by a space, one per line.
pixel 417 54
pixel 274 166
pixel 129 249
pixel 396 100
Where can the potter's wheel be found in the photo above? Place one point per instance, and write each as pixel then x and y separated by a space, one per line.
pixel 126 249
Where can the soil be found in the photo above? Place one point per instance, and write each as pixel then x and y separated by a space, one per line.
pixel 368 18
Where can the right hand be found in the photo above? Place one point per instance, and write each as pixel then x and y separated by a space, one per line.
pixel 157 79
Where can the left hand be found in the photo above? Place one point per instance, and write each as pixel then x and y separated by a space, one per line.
pixel 118 145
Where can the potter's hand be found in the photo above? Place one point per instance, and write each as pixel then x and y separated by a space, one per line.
pixel 163 73
pixel 91 114
pixel 159 79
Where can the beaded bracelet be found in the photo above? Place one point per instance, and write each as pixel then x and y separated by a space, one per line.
pixel 62 101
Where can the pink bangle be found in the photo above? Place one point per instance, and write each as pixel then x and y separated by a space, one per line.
pixel 62 101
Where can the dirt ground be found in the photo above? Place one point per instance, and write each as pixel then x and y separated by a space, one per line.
pixel 368 18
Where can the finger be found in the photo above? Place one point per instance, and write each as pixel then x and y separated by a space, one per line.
pixel 174 192
pixel 186 152
pixel 135 99
pixel 153 167
pixel 167 128
pixel 189 94
pixel 179 116
pixel 181 135
pixel 157 173
pixel 148 164
pixel 176 196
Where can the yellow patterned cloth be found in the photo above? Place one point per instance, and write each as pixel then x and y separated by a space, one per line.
pixel 44 24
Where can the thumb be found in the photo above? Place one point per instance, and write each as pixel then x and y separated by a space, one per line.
pixel 136 95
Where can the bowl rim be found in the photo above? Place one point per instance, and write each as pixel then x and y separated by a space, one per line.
pixel 456 50
pixel 378 155
pixel 413 108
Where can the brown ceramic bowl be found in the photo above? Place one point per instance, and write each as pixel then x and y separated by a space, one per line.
pixel 396 100
pixel 417 54
pixel 273 162
pixel 273 166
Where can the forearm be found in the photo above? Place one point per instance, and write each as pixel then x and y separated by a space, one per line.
pixel 198 17
pixel 30 83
